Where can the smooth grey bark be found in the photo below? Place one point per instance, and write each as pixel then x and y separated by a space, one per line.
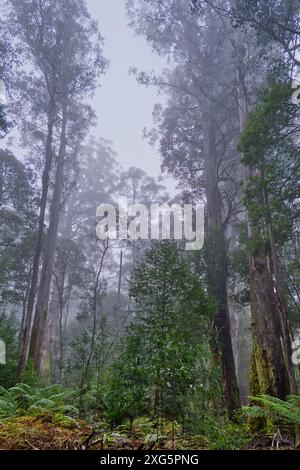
pixel 41 309
pixel 120 276
pixel 26 331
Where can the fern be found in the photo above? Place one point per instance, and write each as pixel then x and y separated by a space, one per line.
pixel 24 399
pixel 286 412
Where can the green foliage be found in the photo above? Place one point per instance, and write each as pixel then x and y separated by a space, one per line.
pixel 128 390
pixel 46 431
pixel 273 22
pixel 145 433
pixel 165 357
pixel 151 431
pixel 9 329
pixel 291 269
pixel 17 229
pixel 84 368
pixel 23 399
pixel 8 334
pixel 30 375
pixel 276 411
pixel 222 434
pixel 270 149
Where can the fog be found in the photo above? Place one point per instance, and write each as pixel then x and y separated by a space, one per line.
pixel 124 108
pixel 149 224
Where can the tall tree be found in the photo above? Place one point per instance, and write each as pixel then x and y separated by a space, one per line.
pixel 75 261
pixel 63 46
pixel 269 370
pixel 269 143
pixel 201 154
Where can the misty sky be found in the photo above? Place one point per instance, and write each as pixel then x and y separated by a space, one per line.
pixel 123 107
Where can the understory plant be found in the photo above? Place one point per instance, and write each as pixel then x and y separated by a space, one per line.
pixel 23 399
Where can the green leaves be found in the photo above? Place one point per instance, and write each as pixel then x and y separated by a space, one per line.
pixel 286 412
pixel 8 334
pixel 269 124
pixel 274 22
pixel 165 358
pixel 23 399
pixel 270 149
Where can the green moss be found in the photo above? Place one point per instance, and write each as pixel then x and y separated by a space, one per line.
pixel 42 432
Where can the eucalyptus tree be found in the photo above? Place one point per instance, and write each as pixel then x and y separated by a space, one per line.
pixel 76 260
pixel 74 129
pixel 268 31
pixel 270 145
pixel 275 26
pixel 198 130
pixel 139 188
pixel 62 46
pixel 274 22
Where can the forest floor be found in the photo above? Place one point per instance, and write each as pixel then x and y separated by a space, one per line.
pixel 54 432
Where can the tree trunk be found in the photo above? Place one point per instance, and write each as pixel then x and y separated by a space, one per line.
pixel 268 371
pixel 51 335
pixel 216 258
pixel 272 377
pixel 120 277
pixel 40 317
pixel 25 335
pixel 86 367
pixel 283 313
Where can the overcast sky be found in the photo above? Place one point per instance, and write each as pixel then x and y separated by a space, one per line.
pixel 123 107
